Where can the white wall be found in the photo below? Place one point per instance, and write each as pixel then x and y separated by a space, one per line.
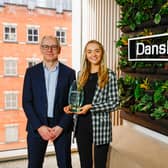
pixel 95 19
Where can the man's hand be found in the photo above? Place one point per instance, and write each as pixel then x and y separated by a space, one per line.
pixel 45 132
pixel 48 133
pixel 56 132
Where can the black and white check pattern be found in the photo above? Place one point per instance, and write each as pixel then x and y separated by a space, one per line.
pixel 104 101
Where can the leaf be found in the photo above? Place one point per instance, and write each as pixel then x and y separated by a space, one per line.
pixel 147 107
pixel 158 95
pixel 158 113
pixel 157 18
pixel 166 105
pixel 137 92
pixel 132 26
pixel 138 18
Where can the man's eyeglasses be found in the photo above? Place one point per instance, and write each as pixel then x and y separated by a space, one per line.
pixel 46 47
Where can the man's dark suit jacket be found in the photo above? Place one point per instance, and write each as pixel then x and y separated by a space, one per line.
pixel 35 97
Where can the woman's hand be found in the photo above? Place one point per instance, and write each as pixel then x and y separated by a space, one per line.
pixel 84 109
pixel 67 109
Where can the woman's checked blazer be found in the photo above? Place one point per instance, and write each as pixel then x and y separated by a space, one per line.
pixel 105 101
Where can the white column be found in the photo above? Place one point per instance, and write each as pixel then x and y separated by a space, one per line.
pixel 76 34
pixel 99 22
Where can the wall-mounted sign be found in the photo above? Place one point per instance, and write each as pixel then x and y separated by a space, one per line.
pixel 148 48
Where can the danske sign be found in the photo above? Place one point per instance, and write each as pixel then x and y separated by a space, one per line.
pixel 148 48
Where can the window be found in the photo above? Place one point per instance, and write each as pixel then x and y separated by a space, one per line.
pixel 11 133
pixel 59 6
pixel 47 4
pixel 10 67
pixel 1 2
pixel 32 62
pixel 68 4
pixel 10 32
pixel 61 35
pixel 10 1
pixel 21 2
pixel 11 100
pixel 31 4
pixel 51 4
pixel 33 34
pixel 15 1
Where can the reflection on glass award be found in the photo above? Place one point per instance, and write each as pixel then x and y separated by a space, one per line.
pixel 76 96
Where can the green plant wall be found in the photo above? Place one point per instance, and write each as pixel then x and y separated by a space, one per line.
pixel 143 86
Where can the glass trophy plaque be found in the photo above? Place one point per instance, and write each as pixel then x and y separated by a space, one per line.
pixel 75 97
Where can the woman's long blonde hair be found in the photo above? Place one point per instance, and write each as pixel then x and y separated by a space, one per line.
pixel 85 70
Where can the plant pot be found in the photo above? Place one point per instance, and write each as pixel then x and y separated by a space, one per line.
pixel 145 120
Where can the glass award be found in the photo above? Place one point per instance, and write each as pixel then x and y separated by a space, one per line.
pixel 75 97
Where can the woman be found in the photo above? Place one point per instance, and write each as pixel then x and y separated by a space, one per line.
pixel 94 128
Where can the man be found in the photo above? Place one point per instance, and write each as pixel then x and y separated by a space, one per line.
pixel 45 93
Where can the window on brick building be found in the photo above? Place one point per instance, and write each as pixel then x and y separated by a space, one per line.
pixel 11 133
pixel 63 5
pixel 42 3
pixel 16 1
pixel 10 33
pixel 10 67
pixel 1 2
pixel 33 62
pixel 51 4
pixel 59 6
pixel 68 5
pixel 32 34
pixel 61 35
pixel 31 4
pixel 11 100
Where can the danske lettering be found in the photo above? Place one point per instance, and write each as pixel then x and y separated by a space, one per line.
pixel 153 49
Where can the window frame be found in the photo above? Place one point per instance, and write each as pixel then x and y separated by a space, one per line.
pixel 61 30
pixel 11 104
pixel 33 60
pixel 6 67
pixel 10 34
pixel 14 133
pixel 33 27
pixel 2 3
